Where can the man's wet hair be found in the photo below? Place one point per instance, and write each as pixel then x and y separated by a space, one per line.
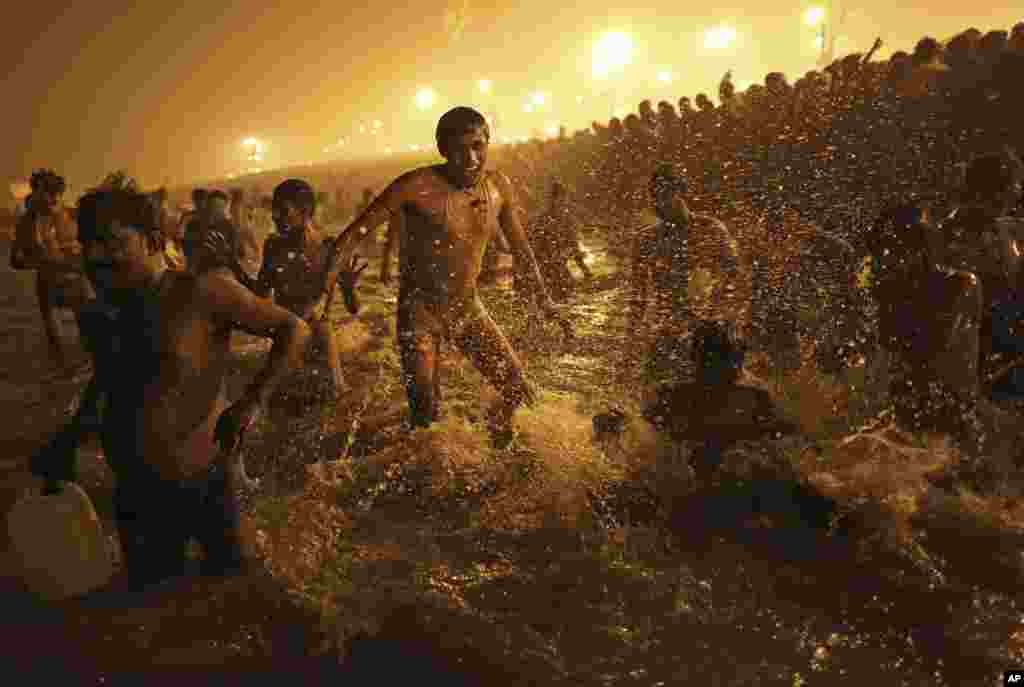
pixel 47 181
pixel 217 194
pixel 667 177
pixel 199 196
pixel 297 192
pixel 715 348
pixel 456 122
pixel 99 207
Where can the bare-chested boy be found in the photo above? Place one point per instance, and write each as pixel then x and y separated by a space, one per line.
pixel 46 241
pixel 929 319
pixel 448 214
pixel 295 267
pixel 715 410
pixel 161 367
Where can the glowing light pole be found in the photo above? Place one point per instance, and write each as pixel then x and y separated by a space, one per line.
pixel 612 53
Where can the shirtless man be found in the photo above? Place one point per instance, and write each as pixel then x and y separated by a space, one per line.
pixel 161 367
pixel 555 238
pixel 295 268
pixel 249 244
pixel 449 213
pixel 45 241
pixel 188 222
pixel 929 317
pixel 688 264
pixel 715 410
pixel 982 237
pixel 173 238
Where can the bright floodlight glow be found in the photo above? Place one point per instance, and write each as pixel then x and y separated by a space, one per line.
pixel 665 77
pixel 579 99
pixel 551 130
pixel 387 151
pixel 612 52
pixel 719 37
pixel 327 150
pixel 362 129
pixel 484 85
pixel 250 142
pixel 539 98
pixel 425 98
pixel 415 147
pixel 819 42
pixel 376 124
pixel 528 107
pixel 523 139
pixel 814 16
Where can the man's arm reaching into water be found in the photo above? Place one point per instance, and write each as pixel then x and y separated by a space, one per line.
pixel 230 304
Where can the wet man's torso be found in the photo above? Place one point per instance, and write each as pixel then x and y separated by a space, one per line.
pixel 445 233
pixel 166 368
pixel 297 270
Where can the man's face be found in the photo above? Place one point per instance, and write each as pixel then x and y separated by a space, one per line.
pixel 116 257
pixel 467 155
pixel 286 215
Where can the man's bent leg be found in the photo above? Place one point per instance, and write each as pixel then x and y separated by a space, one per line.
pixel 419 375
pixel 149 525
pixel 326 336
pixel 51 325
pixel 486 346
pixel 217 523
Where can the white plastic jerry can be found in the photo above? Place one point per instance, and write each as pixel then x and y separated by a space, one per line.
pixel 57 539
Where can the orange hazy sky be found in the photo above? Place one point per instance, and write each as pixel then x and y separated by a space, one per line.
pixel 169 92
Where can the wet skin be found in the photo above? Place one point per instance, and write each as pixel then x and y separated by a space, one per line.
pixel 294 272
pixel 447 215
pixel 166 387
pixel 46 240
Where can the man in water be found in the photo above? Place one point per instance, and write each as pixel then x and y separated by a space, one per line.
pixel 982 237
pixel 249 244
pixel 690 262
pixel 555 238
pixel 929 317
pixel 161 366
pixel 45 241
pixel 716 410
pixel 448 214
pixel 297 267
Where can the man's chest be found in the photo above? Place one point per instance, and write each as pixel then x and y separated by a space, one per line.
pixel 456 215
pixel 293 266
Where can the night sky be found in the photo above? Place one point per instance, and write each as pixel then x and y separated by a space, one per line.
pixel 169 92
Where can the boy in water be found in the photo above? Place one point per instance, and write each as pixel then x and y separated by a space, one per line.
pixel 45 241
pixel 716 410
pixel 555 238
pixel 448 214
pixel 161 365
